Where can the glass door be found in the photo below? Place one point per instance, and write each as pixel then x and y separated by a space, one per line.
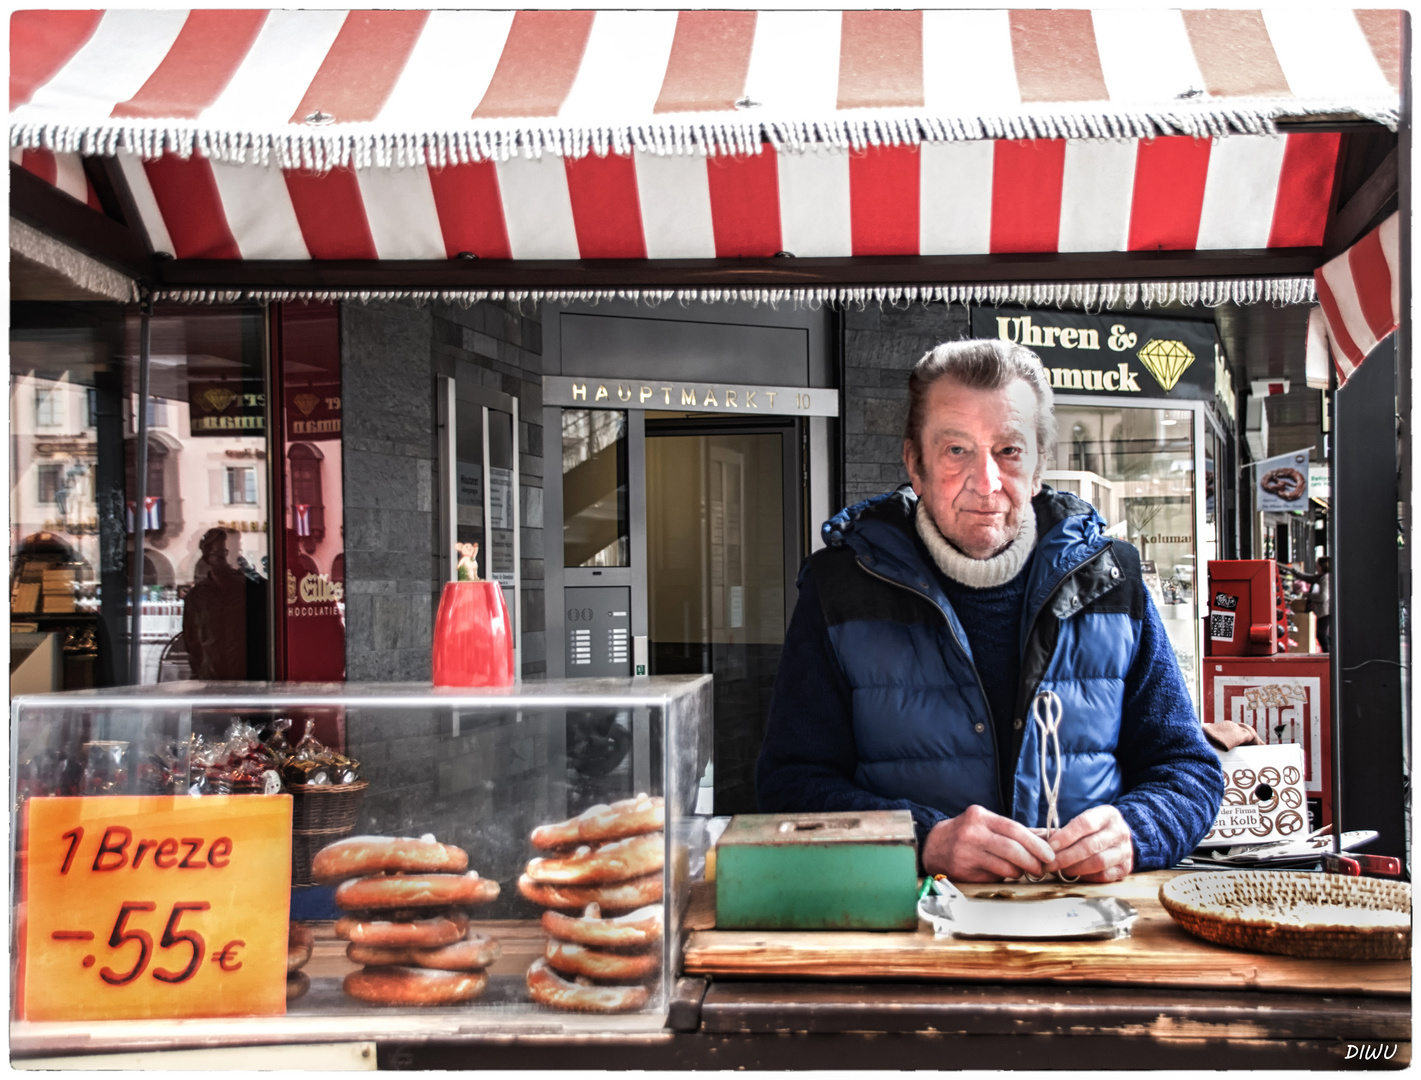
pixel 479 508
pixel 1137 466
pixel 720 554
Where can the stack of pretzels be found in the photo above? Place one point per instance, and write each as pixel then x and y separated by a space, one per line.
pixel 405 922
pixel 299 943
pixel 607 859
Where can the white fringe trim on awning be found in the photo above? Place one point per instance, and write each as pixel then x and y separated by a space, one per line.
pixel 1092 295
pixel 367 145
pixel 84 272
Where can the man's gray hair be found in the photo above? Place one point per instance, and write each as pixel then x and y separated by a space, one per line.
pixel 982 364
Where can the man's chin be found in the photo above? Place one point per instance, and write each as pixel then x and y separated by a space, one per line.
pixel 982 544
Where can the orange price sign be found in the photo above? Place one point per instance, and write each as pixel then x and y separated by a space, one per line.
pixel 153 906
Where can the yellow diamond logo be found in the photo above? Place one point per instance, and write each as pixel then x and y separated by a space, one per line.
pixel 307 402
pixel 218 398
pixel 1166 361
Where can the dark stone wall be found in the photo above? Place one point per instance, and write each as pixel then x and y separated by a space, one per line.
pixel 389 450
pixel 391 353
pixel 881 345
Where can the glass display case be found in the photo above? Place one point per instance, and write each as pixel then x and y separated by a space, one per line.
pixel 561 795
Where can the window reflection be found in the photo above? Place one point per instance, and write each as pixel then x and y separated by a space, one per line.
pixel 594 470
pixel 203 507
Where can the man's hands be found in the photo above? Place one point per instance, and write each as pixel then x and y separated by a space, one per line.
pixel 1093 846
pixel 979 845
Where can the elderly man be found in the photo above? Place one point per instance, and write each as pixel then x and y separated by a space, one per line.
pixel 925 630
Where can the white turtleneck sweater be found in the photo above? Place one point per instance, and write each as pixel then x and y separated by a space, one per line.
pixel 997 569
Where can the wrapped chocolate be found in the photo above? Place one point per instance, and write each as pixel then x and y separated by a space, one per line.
pixel 314 763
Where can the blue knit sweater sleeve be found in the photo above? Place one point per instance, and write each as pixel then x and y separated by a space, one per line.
pixel 1171 779
pixel 809 757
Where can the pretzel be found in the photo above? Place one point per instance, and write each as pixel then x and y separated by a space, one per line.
pixel 617 861
pixel 414 891
pixel 598 824
pixel 547 987
pixel 299 942
pixel 636 929
pixel 442 929
pixel 297 983
pixel 1289 484
pixel 357 856
pixel 475 951
pixel 414 986
pixel 600 964
pixel 620 896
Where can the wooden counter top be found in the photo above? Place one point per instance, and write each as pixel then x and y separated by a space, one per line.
pixel 1159 953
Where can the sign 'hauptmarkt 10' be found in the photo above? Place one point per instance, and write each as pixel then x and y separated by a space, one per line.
pixel 1109 353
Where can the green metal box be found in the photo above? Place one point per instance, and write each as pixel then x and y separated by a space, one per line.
pixel 855 870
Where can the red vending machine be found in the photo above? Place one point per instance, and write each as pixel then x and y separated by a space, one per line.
pixel 1251 679
pixel 1248 614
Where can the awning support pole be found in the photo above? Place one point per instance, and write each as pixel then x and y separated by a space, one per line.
pixel 140 483
pixel 1334 705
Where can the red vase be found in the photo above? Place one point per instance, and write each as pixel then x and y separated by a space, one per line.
pixel 473 645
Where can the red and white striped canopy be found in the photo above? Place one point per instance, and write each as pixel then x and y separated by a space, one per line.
pixel 560 135
pixel 1359 293
pixel 1047 195
pixel 317 87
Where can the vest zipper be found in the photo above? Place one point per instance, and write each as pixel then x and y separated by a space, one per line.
pixel 991 726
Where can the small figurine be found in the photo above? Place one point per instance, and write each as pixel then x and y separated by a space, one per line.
pixel 468 569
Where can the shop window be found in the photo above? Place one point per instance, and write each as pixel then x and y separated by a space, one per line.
pixel 308 511
pixel 241 486
pixel 68 573
pixel 205 550
pixel 49 406
pixel 51 479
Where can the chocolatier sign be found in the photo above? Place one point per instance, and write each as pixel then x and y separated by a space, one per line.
pixel 153 906
pixel 1107 353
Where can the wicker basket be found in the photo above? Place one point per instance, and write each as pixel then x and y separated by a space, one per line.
pixel 1268 911
pixel 321 814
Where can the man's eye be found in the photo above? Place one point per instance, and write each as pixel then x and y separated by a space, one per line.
pixel 956 450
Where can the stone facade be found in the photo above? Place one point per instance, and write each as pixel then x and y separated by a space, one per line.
pixel 389 451
pixel 391 355
pixel 881 345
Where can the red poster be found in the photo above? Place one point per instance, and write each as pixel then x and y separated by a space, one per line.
pixel 311 555
pixel 1286 699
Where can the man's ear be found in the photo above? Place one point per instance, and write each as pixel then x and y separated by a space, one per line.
pixel 910 462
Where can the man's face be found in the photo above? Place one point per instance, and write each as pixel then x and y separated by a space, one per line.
pixel 978 468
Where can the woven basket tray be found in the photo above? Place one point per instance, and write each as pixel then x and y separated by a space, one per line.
pixel 326 806
pixel 1276 911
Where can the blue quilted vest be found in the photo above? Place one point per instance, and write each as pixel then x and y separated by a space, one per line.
pixel 921 721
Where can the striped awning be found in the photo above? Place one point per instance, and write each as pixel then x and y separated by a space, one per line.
pixel 624 135
pixel 1359 294
pixel 962 198
pixel 316 88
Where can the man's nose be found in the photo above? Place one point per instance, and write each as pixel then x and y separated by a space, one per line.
pixel 986 477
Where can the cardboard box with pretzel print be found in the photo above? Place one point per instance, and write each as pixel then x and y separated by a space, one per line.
pixel 1263 797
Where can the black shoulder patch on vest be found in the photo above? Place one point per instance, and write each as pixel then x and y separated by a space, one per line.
pixel 848 593
pixel 1128 597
